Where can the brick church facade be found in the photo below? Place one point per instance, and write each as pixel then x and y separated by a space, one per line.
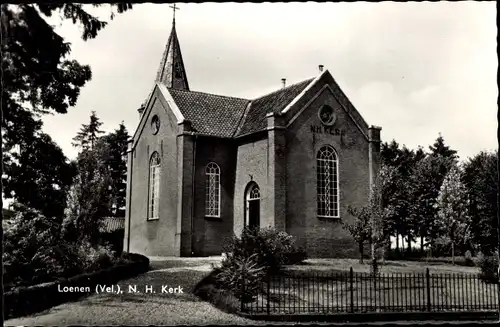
pixel 202 166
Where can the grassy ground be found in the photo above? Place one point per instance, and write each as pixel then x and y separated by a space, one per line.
pixel 156 308
pixel 401 287
pixel 139 308
pixel 388 267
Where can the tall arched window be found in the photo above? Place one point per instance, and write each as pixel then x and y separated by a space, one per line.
pixel 154 186
pixel 212 197
pixel 327 182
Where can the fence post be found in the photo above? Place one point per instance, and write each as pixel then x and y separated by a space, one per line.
pixel 268 294
pixel 351 276
pixel 428 278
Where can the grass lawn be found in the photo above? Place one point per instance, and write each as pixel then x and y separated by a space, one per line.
pixel 389 266
pixel 139 308
pixel 155 308
pixel 401 287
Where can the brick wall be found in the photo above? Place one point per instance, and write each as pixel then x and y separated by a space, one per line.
pixel 209 232
pixel 324 237
pixel 154 237
pixel 252 165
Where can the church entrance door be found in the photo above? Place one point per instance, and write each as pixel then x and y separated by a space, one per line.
pixel 252 200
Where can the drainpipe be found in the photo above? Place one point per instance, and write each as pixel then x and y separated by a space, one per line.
pixel 194 188
pixel 131 162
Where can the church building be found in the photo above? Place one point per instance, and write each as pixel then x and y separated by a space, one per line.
pixel 202 166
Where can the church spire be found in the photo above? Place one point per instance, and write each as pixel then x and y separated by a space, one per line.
pixel 172 72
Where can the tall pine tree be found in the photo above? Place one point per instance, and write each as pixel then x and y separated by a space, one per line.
pixel 89 134
pixel 117 162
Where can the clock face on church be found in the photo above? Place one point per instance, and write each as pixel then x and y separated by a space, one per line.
pixel 327 115
pixel 155 124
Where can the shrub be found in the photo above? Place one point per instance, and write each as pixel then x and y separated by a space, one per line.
pixel 468 259
pixel 488 266
pixel 34 252
pixel 241 275
pixel 114 239
pixel 271 248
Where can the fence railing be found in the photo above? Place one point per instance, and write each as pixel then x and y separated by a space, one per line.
pixel 351 292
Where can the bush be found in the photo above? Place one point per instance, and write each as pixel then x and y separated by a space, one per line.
pixel 241 275
pixel 114 239
pixel 469 262
pixel 208 290
pixel 272 248
pixel 488 266
pixel 34 252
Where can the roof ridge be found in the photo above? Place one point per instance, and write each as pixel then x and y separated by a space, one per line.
pixel 284 88
pixel 217 95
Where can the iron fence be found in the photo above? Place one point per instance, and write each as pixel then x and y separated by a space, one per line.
pixel 350 292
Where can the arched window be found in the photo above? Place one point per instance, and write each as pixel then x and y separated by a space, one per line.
pixel 252 210
pixel 327 182
pixel 154 186
pixel 212 197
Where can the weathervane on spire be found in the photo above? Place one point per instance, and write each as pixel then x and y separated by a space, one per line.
pixel 174 8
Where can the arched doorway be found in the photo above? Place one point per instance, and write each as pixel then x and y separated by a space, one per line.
pixel 252 205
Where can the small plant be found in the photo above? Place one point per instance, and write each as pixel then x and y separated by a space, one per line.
pixel 242 276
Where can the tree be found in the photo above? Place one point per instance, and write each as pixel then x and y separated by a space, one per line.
pixel 404 161
pixel 39 176
pixel 37 76
pixel 426 183
pixel 480 179
pixel 360 229
pixel 372 220
pixel 453 217
pixel 88 135
pixel 440 149
pixel 382 208
pixel 89 197
pixel 117 163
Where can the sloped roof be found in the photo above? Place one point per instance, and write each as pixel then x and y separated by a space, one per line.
pixel 275 102
pixel 111 224
pixel 209 113
pixel 224 116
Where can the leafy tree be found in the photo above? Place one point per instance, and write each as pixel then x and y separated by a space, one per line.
pixel 426 183
pixel 382 208
pixel 89 198
pixel 360 229
pixel 37 76
pixel 39 176
pixel 372 220
pixel 404 161
pixel 480 179
pixel 117 163
pixel 453 217
pixel 89 133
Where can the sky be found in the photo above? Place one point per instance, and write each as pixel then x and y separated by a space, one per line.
pixel 415 69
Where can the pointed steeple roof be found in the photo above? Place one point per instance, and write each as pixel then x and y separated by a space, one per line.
pixel 172 72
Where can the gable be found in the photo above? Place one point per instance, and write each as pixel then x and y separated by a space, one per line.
pixel 324 83
pixel 158 96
